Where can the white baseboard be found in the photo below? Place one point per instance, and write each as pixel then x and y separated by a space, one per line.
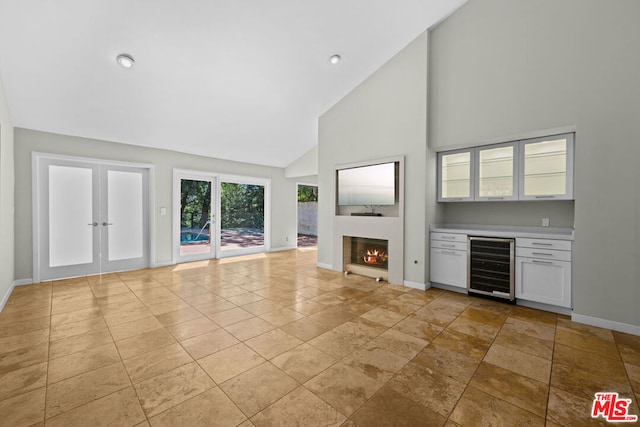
pixel 325 266
pixel 415 285
pixel 544 307
pixel 6 296
pixel 21 282
pixel 604 323
pixel 161 264
pixel 283 248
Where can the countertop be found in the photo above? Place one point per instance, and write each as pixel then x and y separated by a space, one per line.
pixel 505 231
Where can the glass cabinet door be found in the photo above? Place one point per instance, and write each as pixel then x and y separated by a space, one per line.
pixel 496 172
pixel 455 173
pixel 547 168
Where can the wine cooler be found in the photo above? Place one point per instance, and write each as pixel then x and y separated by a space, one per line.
pixel 491 267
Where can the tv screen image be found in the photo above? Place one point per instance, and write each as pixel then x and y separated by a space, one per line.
pixel 373 185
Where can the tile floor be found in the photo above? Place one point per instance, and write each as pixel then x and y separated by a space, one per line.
pixel 271 340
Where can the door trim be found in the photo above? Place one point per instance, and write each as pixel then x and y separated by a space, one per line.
pixel 38 157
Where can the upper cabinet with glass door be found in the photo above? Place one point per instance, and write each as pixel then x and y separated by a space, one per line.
pixel 547 168
pixel 531 169
pixel 455 173
pixel 497 177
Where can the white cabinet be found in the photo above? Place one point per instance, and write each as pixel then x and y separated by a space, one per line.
pixel 455 175
pixel 497 172
pixel 448 261
pixel 543 271
pixel 546 168
pixel 530 169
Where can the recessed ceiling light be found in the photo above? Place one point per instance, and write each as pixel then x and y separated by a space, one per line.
pixel 334 59
pixel 125 60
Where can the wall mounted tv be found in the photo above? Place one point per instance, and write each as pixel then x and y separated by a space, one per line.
pixel 372 185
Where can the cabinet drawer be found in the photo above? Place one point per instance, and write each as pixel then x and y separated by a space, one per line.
pixel 543 254
pixel 449 237
pixel 445 244
pixel 561 245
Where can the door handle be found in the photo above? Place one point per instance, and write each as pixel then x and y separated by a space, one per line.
pixel 95 224
pixel 106 223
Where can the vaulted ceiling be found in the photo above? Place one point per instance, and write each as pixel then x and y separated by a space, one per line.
pixel 241 80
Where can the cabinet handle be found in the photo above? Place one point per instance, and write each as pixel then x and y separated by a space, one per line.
pixel 448 246
pixel 450 253
pixel 449 237
pixel 541 253
pixel 541 244
pixel 495 198
pixel 544 197
pixel 537 261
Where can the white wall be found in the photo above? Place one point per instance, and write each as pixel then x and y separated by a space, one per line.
pixel 305 165
pixel 500 68
pixel 385 116
pixel 7 274
pixel 283 191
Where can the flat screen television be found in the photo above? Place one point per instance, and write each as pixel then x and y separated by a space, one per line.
pixel 372 185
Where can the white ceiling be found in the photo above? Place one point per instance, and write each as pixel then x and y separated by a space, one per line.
pixel 242 80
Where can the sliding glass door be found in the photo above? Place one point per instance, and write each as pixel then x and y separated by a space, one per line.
pixel 217 216
pixel 195 216
pixel 242 217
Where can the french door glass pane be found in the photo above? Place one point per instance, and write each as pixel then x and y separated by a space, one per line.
pixel 545 168
pixel 496 172
pixel 242 215
pixel 70 215
pixel 195 217
pixel 125 215
pixel 456 175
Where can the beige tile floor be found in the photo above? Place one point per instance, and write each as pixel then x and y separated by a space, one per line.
pixel 271 340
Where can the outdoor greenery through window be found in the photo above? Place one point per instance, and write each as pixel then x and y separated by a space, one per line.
pixel 307 193
pixel 242 215
pixel 195 216
pixel 307 215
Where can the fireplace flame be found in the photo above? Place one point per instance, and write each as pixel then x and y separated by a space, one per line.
pixel 375 256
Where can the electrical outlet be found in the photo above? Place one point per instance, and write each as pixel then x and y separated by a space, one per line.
pixel 545 222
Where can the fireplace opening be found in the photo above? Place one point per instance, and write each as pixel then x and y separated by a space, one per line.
pixel 369 252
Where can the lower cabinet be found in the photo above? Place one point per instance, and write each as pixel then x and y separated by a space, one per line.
pixel 544 281
pixel 449 267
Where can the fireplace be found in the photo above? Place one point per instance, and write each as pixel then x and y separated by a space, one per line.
pixel 367 257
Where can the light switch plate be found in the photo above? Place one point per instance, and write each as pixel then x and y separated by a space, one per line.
pixel 163 211
pixel 545 222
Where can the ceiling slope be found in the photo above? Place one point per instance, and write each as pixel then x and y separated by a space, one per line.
pixel 239 80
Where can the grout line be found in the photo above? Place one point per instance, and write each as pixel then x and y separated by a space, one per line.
pixel 439 296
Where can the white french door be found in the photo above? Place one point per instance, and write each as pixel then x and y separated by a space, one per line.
pixel 89 218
